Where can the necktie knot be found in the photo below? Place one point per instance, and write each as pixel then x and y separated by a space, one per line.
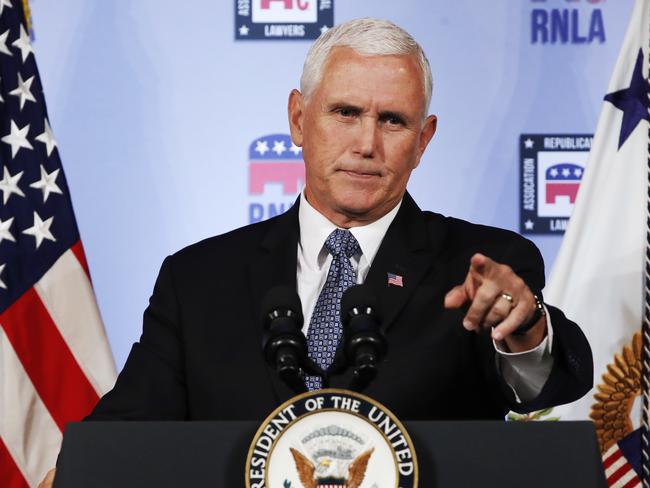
pixel 342 241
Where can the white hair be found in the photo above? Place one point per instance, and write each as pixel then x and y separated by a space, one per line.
pixel 368 37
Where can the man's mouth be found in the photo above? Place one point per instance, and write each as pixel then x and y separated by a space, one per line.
pixel 360 173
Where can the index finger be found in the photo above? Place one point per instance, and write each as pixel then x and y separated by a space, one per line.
pixel 481 264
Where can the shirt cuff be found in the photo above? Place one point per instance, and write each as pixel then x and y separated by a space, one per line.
pixel 526 372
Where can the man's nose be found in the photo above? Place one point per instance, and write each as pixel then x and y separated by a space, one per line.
pixel 367 137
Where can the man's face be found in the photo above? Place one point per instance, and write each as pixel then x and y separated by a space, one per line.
pixel 362 131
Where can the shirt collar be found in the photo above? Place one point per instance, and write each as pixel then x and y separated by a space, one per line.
pixel 315 227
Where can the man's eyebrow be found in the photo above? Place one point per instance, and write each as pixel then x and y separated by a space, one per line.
pixel 340 104
pixel 384 114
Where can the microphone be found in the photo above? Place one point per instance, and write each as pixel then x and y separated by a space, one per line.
pixel 284 344
pixel 365 344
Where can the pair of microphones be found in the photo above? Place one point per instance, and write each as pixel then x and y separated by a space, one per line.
pixel 285 345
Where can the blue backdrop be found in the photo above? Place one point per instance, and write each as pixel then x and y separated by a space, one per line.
pixel 155 105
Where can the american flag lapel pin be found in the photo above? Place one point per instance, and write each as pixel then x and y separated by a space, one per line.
pixel 395 280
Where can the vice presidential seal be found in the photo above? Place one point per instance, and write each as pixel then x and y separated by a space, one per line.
pixel 331 439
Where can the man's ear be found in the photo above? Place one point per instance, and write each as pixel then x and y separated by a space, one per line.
pixel 429 128
pixel 296 113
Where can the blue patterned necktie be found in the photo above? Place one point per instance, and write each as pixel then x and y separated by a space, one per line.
pixel 325 327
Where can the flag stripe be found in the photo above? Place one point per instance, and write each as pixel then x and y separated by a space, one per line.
pixel 42 351
pixel 635 482
pixel 620 474
pixel 68 296
pixel 26 427
pixel 628 477
pixel 613 467
pixel 10 475
pixel 620 462
pixel 78 250
pixel 613 455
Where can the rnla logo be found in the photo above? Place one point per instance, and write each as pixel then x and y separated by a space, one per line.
pixel 276 175
pixel 551 170
pixel 282 19
pixel 582 25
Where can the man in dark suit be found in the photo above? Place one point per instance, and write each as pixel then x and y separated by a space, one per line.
pixel 200 355
pixel 468 335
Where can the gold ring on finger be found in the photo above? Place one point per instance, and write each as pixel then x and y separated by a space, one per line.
pixel 507 296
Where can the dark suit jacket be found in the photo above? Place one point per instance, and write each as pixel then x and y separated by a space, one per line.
pixel 200 353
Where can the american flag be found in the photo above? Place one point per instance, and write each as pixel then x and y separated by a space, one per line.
pixel 55 361
pixel 622 462
pixel 395 280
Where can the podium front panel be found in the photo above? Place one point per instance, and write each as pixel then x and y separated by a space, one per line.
pixel 213 454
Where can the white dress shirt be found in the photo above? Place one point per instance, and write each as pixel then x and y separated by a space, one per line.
pixel 525 372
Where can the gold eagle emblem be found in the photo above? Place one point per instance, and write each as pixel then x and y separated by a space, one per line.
pixel 307 470
pixel 615 397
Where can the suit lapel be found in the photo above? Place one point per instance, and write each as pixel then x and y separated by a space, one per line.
pixel 275 265
pixel 409 251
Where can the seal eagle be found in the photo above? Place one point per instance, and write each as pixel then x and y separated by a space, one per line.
pixel 307 471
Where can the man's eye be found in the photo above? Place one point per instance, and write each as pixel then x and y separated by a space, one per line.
pixel 346 112
pixel 393 120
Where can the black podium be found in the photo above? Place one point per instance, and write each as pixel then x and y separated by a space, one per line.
pixel 213 454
